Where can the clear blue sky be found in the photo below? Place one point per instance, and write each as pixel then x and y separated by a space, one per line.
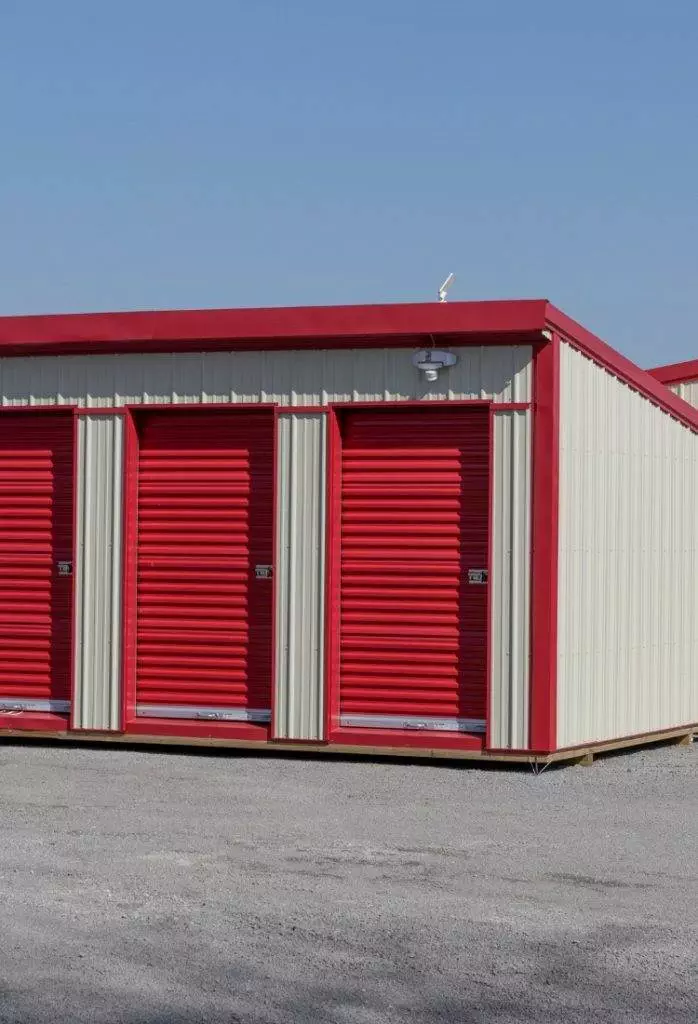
pixel 219 153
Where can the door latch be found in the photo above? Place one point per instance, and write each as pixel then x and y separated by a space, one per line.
pixel 477 575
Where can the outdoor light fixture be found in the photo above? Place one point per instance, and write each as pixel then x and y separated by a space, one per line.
pixel 431 360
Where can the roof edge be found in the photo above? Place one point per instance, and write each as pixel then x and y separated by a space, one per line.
pixel 274 327
pixel 676 373
pixel 625 369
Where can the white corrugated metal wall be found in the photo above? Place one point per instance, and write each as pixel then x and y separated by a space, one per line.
pixel 502 373
pixel 499 373
pixel 98 579
pixel 511 581
pixel 688 390
pixel 628 561
pixel 300 577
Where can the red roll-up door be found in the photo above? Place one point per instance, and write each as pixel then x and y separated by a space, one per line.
pixel 205 521
pixel 36 552
pixel 414 531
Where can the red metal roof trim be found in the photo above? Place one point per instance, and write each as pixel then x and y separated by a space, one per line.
pixel 321 327
pixel 290 328
pixel 641 380
pixel 676 373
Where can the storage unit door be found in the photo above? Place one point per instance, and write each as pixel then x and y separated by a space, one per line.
pixel 205 521
pixel 36 552
pixel 414 540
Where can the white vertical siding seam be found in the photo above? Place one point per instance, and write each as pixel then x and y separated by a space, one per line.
pixel 116 557
pixel 510 581
pixel 79 578
pixel 294 504
pixel 321 531
pixel 98 573
pixel 282 610
pixel 299 680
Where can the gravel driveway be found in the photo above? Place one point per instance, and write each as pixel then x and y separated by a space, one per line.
pixel 149 887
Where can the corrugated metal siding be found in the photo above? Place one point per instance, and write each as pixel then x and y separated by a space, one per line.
pixel 688 391
pixel 204 621
pixel 511 581
pixel 628 601
pixel 300 577
pixel 98 575
pixel 414 522
pixel 36 535
pixel 502 373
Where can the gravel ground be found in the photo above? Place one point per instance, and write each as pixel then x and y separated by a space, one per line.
pixel 148 887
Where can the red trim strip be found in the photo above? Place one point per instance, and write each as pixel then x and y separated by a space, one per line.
pixel 296 327
pixel 275 569
pixel 402 403
pixel 424 404
pixel 34 721
pixel 286 409
pixel 332 561
pixel 103 410
pixel 128 579
pixel 544 555
pixel 184 728
pixel 407 738
pixel 122 410
pixel 73 595
pixel 490 588
pixel 642 381
pixel 40 409
pixel 135 407
pixel 676 373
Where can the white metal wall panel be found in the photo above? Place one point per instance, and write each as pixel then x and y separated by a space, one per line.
pixel 300 577
pixel 502 373
pixel 687 390
pixel 628 561
pixel 98 573
pixel 511 581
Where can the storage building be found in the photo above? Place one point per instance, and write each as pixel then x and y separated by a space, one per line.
pixel 464 529
pixel 681 378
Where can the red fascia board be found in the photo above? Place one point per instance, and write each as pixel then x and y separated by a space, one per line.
pixel 642 381
pixel 676 373
pixel 496 322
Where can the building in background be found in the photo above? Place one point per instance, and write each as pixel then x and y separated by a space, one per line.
pixel 681 378
pixel 459 528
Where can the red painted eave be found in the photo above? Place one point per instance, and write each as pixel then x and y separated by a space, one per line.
pixel 498 322
pixel 641 380
pixel 676 373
